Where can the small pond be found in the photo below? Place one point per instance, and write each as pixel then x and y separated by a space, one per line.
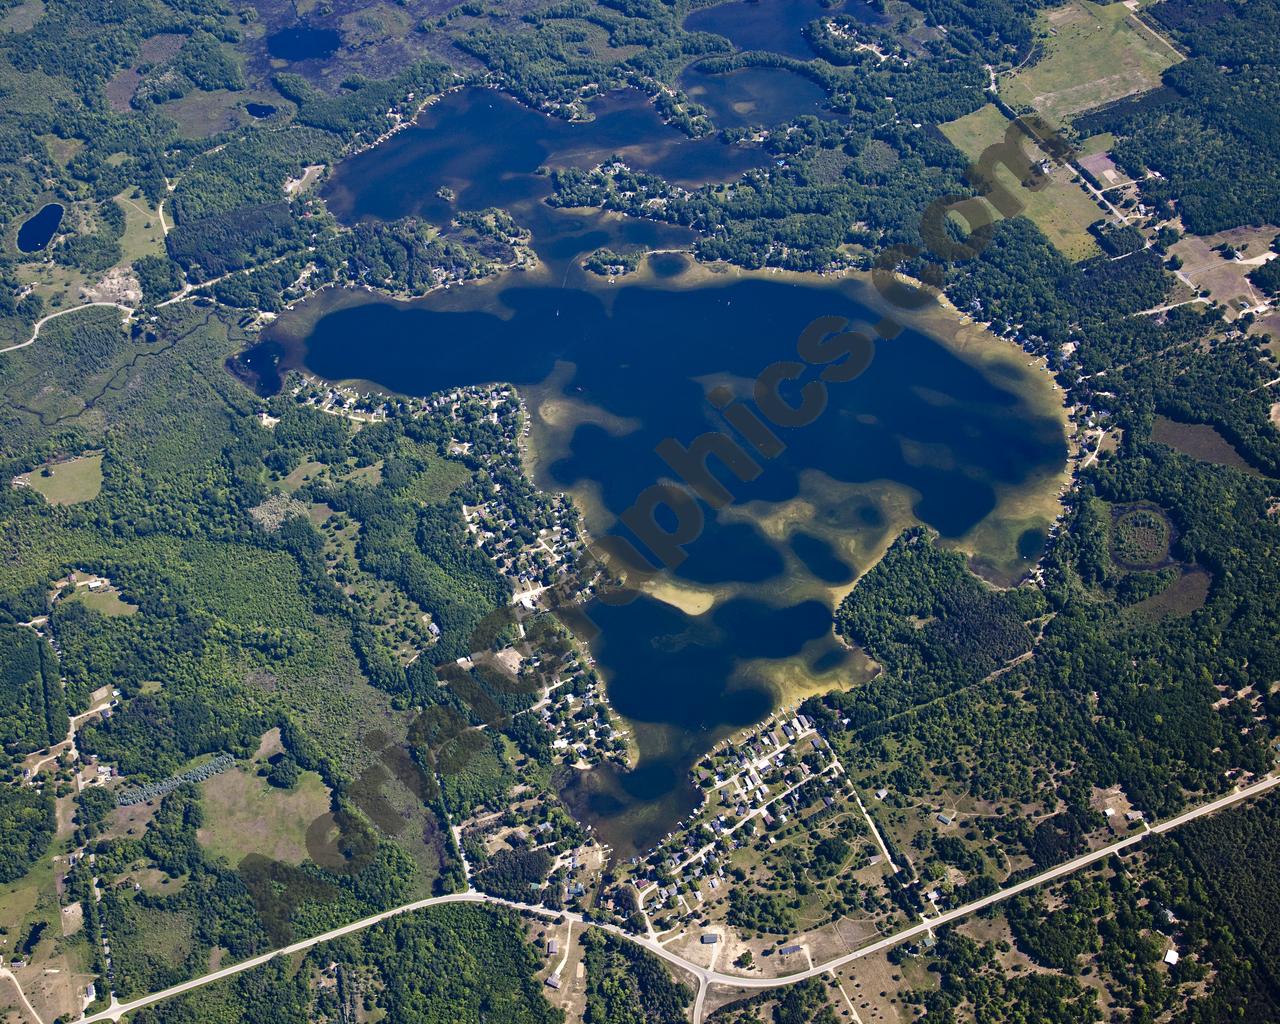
pixel 303 42
pixel 39 230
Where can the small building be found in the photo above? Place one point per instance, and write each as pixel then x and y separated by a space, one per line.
pixel 553 946
pixel 1171 957
pixel 553 981
pixel 945 819
pixel 709 939
pixel 788 950
pixel 881 794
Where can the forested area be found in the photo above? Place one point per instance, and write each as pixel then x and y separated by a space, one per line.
pixel 922 615
pixel 803 1003
pixel 1202 892
pixel 26 828
pixel 447 965
pixel 221 603
pixel 33 712
pixel 629 985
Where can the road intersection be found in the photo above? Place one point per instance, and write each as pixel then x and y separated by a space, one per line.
pixel 706 977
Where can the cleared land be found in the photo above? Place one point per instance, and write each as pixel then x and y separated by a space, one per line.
pixel 143 234
pixel 107 602
pixel 1224 278
pixel 243 814
pixel 1093 54
pixel 1200 441
pixel 68 483
pixel 1062 209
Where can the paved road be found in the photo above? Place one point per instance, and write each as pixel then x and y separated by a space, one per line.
pixel 35 331
pixel 706 977
pixel 1051 875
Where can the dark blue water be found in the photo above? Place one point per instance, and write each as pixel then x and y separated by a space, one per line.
pixel 1031 544
pixel 303 42
pixel 773 25
pixel 754 96
pixel 259 110
pixel 488 149
pixel 821 558
pixel 647 354
pixel 37 231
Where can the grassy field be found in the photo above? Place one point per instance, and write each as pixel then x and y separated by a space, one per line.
pixel 22 17
pixel 440 479
pixel 1200 441
pixel 143 235
pixel 68 483
pixel 107 602
pixel 1185 595
pixel 243 814
pixel 1062 210
pixel 1093 54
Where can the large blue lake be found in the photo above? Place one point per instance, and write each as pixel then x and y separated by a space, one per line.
pixel 927 434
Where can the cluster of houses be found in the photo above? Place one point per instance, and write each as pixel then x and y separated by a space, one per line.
pixel 577 713
pixel 336 400
pixel 532 537
pixel 764 777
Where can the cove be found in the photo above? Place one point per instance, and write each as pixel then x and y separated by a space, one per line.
pixel 754 96
pixel 478 148
pixel 37 231
pixel 773 25
pixel 608 372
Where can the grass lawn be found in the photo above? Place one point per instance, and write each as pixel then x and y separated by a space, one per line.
pixel 245 814
pixel 303 474
pixel 107 602
pixel 1093 54
pixel 1062 210
pixel 69 483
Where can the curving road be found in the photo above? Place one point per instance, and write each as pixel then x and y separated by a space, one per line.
pixel 706 976
pixel 35 331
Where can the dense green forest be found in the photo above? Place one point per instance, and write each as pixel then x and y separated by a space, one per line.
pixel 629 985
pixel 448 965
pixel 34 709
